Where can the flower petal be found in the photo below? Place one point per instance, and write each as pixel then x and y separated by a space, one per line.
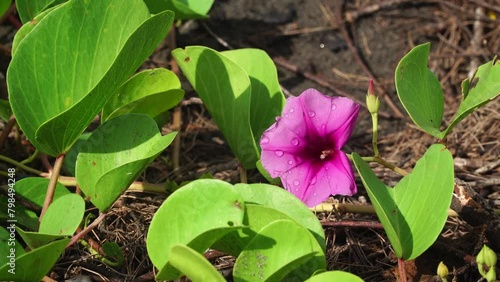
pixel 278 162
pixel 283 141
pixel 314 182
pixel 325 115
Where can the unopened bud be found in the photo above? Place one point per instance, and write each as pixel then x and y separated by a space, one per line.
pixel 442 270
pixel 487 256
pixel 486 261
pixel 372 101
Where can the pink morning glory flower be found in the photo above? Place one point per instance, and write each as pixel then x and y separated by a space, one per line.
pixel 303 146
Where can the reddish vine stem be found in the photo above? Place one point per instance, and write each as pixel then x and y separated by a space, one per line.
pixel 85 231
pixel 350 44
pixel 52 184
pixel 353 223
pixel 402 270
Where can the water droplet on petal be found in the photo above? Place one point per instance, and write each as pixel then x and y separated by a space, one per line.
pixel 291 110
pixel 279 153
pixel 334 106
pixel 296 182
pixel 327 167
pixel 273 127
pixel 323 126
pixel 315 194
pixel 295 142
pixel 313 180
pixel 290 162
pixel 311 114
pixel 286 115
pixel 264 140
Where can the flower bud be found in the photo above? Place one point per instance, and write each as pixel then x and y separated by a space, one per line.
pixel 372 101
pixel 442 270
pixel 487 256
pixel 486 261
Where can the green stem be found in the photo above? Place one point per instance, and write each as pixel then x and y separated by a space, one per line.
pixel 52 184
pixel 30 158
pixel 387 164
pixel 243 174
pixel 21 165
pixel 71 181
pixel 375 134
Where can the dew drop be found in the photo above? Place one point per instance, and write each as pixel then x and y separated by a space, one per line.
pixel 311 114
pixel 279 153
pixel 315 194
pixel 313 180
pixel 327 167
pixel 295 142
pixel 296 182
pixel 291 110
pixel 290 162
pixel 264 140
pixel 286 115
pixel 334 106
pixel 323 126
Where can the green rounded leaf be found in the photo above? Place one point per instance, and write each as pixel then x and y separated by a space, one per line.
pixel 481 89
pixel 68 66
pixel 32 189
pixel 267 100
pixel 7 244
pixel 183 9
pixel 63 216
pixel 420 91
pixel 4 6
pixel 226 91
pixel 28 27
pixel 34 265
pixel 117 152
pixel 35 240
pixel 193 265
pixel 151 92
pixel 414 212
pixel 275 251
pixel 5 111
pixel 29 9
pixel 279 199
pixel 256 217
pixel 81 143
pixel 335 276
pixel 196 215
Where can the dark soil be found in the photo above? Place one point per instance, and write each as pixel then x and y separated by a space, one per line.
pixel 336 49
